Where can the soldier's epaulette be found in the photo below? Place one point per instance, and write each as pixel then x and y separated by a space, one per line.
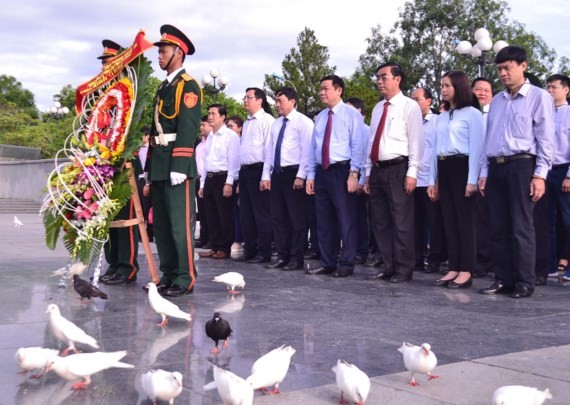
pixel 186 77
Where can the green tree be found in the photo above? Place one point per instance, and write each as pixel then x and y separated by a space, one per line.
pixel 423 40
pixel 358 85
pixel 12 92
pixel 66 97
pixel 303 66
pixel 150 95
pixel 233 106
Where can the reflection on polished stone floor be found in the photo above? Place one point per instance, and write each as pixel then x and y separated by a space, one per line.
pixel 355 319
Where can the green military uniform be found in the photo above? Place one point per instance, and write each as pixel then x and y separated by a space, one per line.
pixel 178 111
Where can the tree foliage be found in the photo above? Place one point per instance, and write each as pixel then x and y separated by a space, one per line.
pixel 233 106
pixel 12 93
pixel 303 66
pixel 424 37
pixel 66 97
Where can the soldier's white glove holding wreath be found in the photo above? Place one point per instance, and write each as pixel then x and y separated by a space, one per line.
pixel 177 178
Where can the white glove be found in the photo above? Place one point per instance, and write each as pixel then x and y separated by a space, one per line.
pixel 177 178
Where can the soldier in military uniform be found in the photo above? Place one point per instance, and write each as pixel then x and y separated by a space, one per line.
pixel 172 165
pixel 121 249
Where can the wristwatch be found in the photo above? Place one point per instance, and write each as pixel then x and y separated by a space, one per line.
pixel 354 174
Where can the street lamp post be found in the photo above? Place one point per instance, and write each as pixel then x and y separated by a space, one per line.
pixel 209 82
pixel 479 51
pixel 282 78
pixel 56 111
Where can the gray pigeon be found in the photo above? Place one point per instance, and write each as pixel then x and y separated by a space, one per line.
pixel 87 290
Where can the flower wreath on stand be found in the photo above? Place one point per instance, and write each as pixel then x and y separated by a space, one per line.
pixel 88 186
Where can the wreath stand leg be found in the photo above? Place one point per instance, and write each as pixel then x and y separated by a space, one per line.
pixel 139 220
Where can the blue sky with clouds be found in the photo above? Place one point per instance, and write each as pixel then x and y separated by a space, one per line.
pixel 48 44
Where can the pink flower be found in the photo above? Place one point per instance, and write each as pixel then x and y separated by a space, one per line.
pixel 88 194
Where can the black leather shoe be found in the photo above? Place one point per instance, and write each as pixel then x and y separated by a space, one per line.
pixel 105 277
pixel 177 291
pixel 243 258
pixel 320 270
pixel 400 279
pixel 382 275
pixel 312 255
pixel 540 281
pixel 498 287
pixel 296 265
pixel 465 284
pixel 359 259
pixel 441 283
pixel 161 288
pixel 277 265
pixel 342 273
pixel 374 262
pixel 116 279
pixel 522 292
pixel 259 259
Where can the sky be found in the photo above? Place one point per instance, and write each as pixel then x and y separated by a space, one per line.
pixel 48 44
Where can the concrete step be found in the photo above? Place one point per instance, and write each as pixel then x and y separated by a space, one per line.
pixel 8 206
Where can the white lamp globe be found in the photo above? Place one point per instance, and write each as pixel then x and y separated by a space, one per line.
pixel 481 33
pixel 65 110
pixel 485 44
pixel 214 73
pixel 475 51
pixel 499 45
pixel 464 47
pixel 54 110
pixel 57 104
pixel 206 79
pixel 224 80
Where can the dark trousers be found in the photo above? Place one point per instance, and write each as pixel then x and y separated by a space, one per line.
pixel 219 214
pixel 559 209
pixel 335 205
pixel 428 229
pixel 512 223
pixel 238 236
pixel 542 231
pixel 173 207
pixel 393 218
pixel 459 214
pixel 204 237
pixel 483 229
pixel 362 228
pixel 288 215
pixel 313 235
pixel 255 213
pixel 122 248
pixel 146 204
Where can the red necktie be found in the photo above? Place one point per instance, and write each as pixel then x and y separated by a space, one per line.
pixel 374 155
pixel 326 161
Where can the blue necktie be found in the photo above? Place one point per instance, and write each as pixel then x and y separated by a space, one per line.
pixel 277 161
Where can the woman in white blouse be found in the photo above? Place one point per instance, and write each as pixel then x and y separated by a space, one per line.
pixel 454 174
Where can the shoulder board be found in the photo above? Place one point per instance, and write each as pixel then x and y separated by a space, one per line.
pixel 186 77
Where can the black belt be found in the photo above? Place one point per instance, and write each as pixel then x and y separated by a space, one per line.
pixel 214 174
pixel 291 168
pixel 501 160
pixel 391 162
pixel 252 166
pixel 449 157
pixel 561 166
pixel 338 164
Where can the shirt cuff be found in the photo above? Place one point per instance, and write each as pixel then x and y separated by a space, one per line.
pixel 412 172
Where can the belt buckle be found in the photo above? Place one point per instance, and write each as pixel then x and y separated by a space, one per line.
pixel 500 160
pixel 441 157
pixel 210 175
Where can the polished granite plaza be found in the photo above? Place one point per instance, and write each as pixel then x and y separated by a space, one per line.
pixel 355 319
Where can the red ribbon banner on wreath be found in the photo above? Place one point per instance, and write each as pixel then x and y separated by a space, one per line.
pixel 113 67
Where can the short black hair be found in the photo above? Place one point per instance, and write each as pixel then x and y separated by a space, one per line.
pixel 260 94
pixel 204 118
pixel 395 69
pixel 235 118
pixel 482 79
pixel 336 82
pixel 427 92
pixel 289 92
pixel 357 103
pixel 220 107
pixel 145 130
pixel 515 53
pixel 564 80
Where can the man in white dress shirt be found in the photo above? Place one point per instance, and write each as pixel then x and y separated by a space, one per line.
pixel 284 173
pixel 216 187
pixel 253 202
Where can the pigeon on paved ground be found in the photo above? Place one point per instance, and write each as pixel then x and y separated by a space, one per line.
pixel 353 384
pixel 232 280
pixel 271 369
pixel 520 395
pixel 67 332
pixel 76 268
pixel 84 365
pixel 87 290
pixel 164 307
pixel 163 385
pixel 418 359
pixel 34 358
pixel 233 389
pixel 218 329
pixel 17 222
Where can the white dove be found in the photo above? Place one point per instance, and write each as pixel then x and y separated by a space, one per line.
pixel 520 395
pixel 164 307
pixel 67 332
pixel 163 385
pixel 353 383
pixel 76 268
pixel 233 389
pixel 232 280
pixel 17 222
pixel 418 359
pixel 271 369
pixel 84 365
pixel 34 358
